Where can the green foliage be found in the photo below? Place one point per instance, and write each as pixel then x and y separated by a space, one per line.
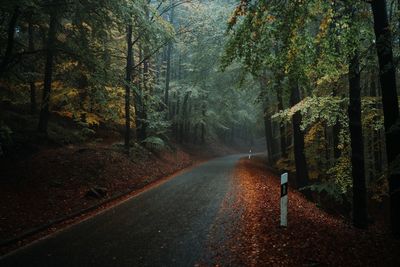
pixel 309 44
pixel 155 143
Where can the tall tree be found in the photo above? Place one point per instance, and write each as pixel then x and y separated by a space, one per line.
pixel 360 217
pixel 128 85
pixel 168 57
pixel 48 75
pixel 387 76
pixel 6 59
pixel 31 48
pixel 298 139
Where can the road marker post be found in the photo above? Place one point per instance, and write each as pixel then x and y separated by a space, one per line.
pixel 284 199
pixel 250 154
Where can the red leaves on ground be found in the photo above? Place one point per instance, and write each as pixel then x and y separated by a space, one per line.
pixel 312 237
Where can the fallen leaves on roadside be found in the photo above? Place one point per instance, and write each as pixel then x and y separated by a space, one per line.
pixel 312 238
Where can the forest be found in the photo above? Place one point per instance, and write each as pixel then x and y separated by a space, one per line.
pixel 102 102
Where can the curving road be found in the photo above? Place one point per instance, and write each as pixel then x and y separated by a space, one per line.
pixel 164 226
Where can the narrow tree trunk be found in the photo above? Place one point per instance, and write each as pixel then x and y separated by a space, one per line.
pixel 31 48
pixel 182 122
pixel 138 96
pixel 146 88
pixel 128 84
pixel 203 126
pixel 188 122
pixel 281 125
pixel 177 117
pixel 144 124
pixel 335 134
pixel 360 217
pixel 168 70
pixel 375 149
pixel 267 121
pixel 196 127
pixel 298 139
pixel 167 76
pixel 48 75
pixel 268 133
pixel 387 77
pixel 10 40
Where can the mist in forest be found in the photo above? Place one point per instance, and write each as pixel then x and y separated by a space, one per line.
pixel 103 100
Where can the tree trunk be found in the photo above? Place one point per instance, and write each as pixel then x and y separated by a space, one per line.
pixel 168 70
pixel 31 48
pixel 183 116
pixel 176 117
pixel 298 139
pixel 267 122
pixel 281 125
pixel 268 133
pixel 145 93
pixel 48 75
pixel 195 133
pixel 335 134
pixel 10 40
pixel 138 96
pixel 376 147
pixel 188 122
pixel 167 76
pixel 128 84
pixel 203 125
pixel 387 77
pixel 360 217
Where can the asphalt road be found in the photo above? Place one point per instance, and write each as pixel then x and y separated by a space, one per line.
pixel 164 226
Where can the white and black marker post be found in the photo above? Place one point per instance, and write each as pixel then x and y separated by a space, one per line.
pixel 250 154
pixel 284 199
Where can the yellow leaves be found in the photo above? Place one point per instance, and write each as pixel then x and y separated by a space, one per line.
pixel 57 84
pixel 232 20
pixel 324 25
pixel 92 119
pixel 68 26
pixel 68 65
pixel 270 18
pixel 328 73
pixel 86 26
pixel 240 10
pixel 65 114
pixel 315 133
pixel 291 56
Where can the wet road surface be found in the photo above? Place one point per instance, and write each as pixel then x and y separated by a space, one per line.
pixel 163 226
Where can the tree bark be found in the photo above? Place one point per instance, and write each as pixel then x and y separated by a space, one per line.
pixel 360 216
pixel 387 77
pixel 128 84
pixel 10 40
pixel 203 125
pixel 268 133
pixel 267 122
pixel 183 117
pixel 168 70
pixel 138 96
pixel 168 76
pixel 48 75
pixel 298 139
pixel 282 127
pixel 31 48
